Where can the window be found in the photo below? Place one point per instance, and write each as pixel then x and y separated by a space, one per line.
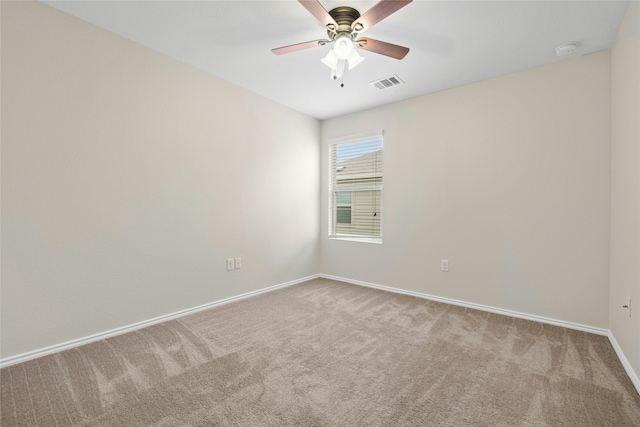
pixel 355 200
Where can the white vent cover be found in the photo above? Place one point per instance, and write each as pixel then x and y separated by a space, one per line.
pixel 387 82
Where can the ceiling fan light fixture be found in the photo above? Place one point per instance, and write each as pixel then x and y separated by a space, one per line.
pixel 338 72
pixel 343 46
pixel 331 60
pixel 354 59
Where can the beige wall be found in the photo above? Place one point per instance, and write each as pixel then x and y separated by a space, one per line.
pixel 128 178
pixel 625 187
pixel 508 179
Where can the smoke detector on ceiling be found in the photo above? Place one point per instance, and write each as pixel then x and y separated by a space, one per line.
pixel 567 49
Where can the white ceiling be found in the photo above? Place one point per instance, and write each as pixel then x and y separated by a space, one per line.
pixel 452 43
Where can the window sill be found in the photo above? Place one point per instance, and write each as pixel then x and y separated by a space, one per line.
pixel 377 240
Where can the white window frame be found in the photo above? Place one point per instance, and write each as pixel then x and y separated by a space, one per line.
pixel 333 190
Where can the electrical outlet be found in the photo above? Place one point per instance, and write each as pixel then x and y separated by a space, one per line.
pixel 444 265
pixel 238 263
pixel 230 264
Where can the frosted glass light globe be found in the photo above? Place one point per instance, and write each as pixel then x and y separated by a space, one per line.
pixel 343 47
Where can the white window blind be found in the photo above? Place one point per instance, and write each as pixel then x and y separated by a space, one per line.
pixel 355 205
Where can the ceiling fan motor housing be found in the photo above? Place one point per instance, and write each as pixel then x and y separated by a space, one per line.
pixel 344 17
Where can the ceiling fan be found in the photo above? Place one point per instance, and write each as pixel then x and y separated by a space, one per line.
pixel 344 25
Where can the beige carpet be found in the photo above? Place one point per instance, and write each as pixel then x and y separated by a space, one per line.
pixel 325 353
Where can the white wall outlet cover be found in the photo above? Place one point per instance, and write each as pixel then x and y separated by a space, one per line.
pixel 230 264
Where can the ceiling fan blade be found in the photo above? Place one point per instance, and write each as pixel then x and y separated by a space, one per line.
pixel 377 13
pixel 383 48
pixel 320 13
pixel 299 46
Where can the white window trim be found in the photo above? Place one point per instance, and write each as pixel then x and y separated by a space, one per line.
pixel 361 239
pixel 356 137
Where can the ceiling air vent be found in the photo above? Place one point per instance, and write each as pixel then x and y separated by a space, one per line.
pixel 387 82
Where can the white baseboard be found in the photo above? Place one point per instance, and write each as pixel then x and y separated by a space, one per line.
pixel 122 330
pixel 625 362
pixel 510 313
